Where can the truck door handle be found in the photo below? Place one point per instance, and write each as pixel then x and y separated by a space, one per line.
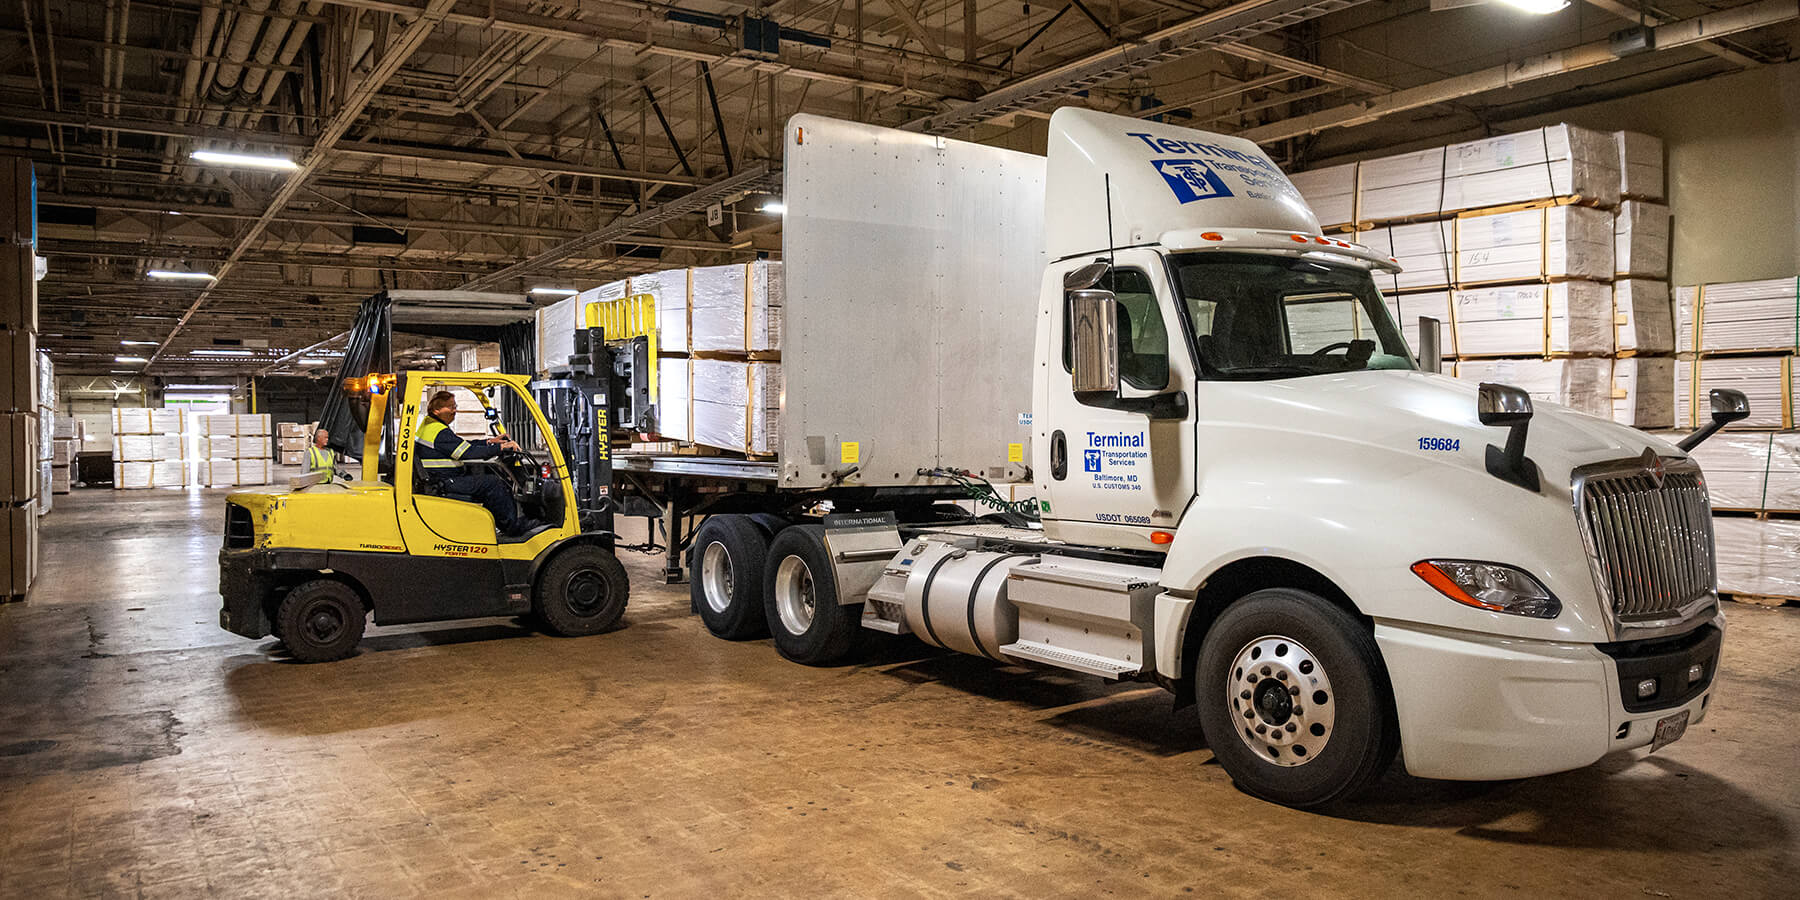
pixel 1059 455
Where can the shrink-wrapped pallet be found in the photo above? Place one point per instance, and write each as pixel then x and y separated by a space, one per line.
pixel 1406 310
pixel 218 446
pixel 1331 192
pixel 736 308
pixel 1541 164
pixel 63 451
pixel 168 421
pixel 1763 379
pixel 60 480
pixel 1781 493
pixel 1534 319
pixel 169 446
pixel 252 446
pixel 46 481
pixel 1534 244
pixel 1640 165
pixel 1644 392
pixel 1584 385
pixel 1641 240
pixel 252 471
pixel 555 326
pixel 1401 186
pixel 1737 315
pixel 736 404
pixel 670 292
pixel 134 447
pixel 1422 250
pixel 1757 557
pixel 673 399
pixel 131 421
pixel 1643 319
pixel 217 425
pixel 477 358
pixel 217 472
pixel 137 475
pixel 253 423
pixel 69 428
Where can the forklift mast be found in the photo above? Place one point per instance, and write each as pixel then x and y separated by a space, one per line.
pixel 603 393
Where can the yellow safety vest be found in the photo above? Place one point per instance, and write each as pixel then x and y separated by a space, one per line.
pixel 320 459
pixel 428 453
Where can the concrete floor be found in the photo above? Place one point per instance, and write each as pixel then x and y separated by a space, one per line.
pixel 145 752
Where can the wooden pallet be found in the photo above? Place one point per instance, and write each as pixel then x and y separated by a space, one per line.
pixel 1729 354
pixel 1760 599
pixel 1526 205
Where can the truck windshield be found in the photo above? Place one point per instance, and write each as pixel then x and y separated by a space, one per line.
pixel 1258 316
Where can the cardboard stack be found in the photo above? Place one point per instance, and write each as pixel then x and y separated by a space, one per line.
pixel 19 381
pixel 290 443
pixel 237 447
pixel 149 448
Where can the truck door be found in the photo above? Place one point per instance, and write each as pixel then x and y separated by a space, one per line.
pixel 1111 473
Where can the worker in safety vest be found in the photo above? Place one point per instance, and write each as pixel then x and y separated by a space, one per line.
pixel 321 458
pixel 441 452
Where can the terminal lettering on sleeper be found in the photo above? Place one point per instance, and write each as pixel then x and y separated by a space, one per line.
pixel 1198 179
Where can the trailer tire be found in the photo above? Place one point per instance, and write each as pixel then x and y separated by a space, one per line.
pixel 726 576
pixel 581 591
pixel 321 620
pixel 800 591
pixel 1294 699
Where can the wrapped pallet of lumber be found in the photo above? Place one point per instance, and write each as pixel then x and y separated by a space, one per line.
pixel 253 471
pixel 673 399
pixel 1781 488
pixel 1643 319
pixel 168 421
pixel 736 404
pixel 1331 192
pixel 1422 249
pixel 219 425
pixel 1534 244
pixel 1640 166
pixel 134 447
pixel 134 475
pixel 670 292
pixel 131 421
pixel 1641 240
pixel 1644 392
pixel 1406 310
pixel 169 446
pixel 555 326
pixel 1556 161
pixel 254 423
pixel 1401 186
pixel 252 446
pixel 1765 381
pixel 1727 317
pixel 736 308
pixel 1757 557
pixel 1535 319
pixel 218 446
pixel 218 473
pixel 1584 385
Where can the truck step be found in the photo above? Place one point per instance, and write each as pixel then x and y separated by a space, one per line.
pixel 1093 664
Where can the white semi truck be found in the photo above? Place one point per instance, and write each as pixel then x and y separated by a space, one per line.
pixel 1247 489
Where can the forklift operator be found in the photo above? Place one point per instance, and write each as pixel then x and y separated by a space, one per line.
pixel 441 452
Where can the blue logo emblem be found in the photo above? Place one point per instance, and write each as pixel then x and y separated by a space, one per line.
pixel 1191 179
pixel 1090 460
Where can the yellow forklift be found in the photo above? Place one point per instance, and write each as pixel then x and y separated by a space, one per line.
pixel 308 564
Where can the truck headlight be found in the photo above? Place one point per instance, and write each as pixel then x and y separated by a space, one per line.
pixel 1489 586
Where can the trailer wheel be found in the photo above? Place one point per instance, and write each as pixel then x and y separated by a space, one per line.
pixel 726 576
pixel 1294 699
pixel 581 591
pixel 802 600
pixel 321 620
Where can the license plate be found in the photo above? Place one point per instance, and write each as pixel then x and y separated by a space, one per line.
pixel 1669 729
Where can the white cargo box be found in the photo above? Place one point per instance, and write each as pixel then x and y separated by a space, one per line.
pixel 1584 385
pixel 142 475
pixel 1331 192
pixel 736 308
pixel 1535 319
pixel 1641 240
pixel 1643 316
pixel 1534 244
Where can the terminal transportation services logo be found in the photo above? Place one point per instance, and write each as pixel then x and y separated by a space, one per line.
pixel 1191 179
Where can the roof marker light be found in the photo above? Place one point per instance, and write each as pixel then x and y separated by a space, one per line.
pixel 1320 240
pixel 1211 236
pixel 1297 238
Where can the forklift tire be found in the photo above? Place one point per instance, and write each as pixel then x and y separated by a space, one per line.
pixel 725 576
pixel 581 591
pixel 1294 700
pixel 800 591
pixel 321 620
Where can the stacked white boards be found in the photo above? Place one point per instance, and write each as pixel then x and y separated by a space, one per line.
pixel 235 450
pixel 150 448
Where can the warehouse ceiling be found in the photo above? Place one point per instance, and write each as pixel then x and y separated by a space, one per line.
pixel 507 145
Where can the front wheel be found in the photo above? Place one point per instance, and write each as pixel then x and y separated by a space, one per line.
pixel 801 600
pixel 1294 699
pixel 321 620
pixel 582 591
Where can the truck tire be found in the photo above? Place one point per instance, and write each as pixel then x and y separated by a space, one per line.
pixel 581 591
pixel 725 576
pixel 321 620
pixel 1294 699
pixel 800 591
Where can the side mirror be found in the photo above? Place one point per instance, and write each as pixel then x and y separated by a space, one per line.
pixel 1728 406
pixel 1094 326
pixel 1431 344
pixel 1503 405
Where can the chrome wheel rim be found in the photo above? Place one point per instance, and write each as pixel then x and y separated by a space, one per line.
pixel 795 599
pixel 715 576
pixel 1281 701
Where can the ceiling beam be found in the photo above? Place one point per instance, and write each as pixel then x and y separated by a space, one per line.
pixel 1647 17
pixel 1302 67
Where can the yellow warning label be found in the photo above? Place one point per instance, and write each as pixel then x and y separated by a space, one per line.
pixel 1015 452
pixel 849 452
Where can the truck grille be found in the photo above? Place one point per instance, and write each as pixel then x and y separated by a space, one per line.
pixel 1650 538
pixel 240 533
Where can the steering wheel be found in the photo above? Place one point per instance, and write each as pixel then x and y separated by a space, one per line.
pixel 1343 345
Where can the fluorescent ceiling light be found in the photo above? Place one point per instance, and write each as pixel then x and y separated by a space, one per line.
pixel 248 160
pixel 196 387
pixel 314 362
pixel 134 343
pixel 555 292
pixel 1537 7
pixel 129 359
pixel 774 206
pixel 220 353
pixel 171 275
